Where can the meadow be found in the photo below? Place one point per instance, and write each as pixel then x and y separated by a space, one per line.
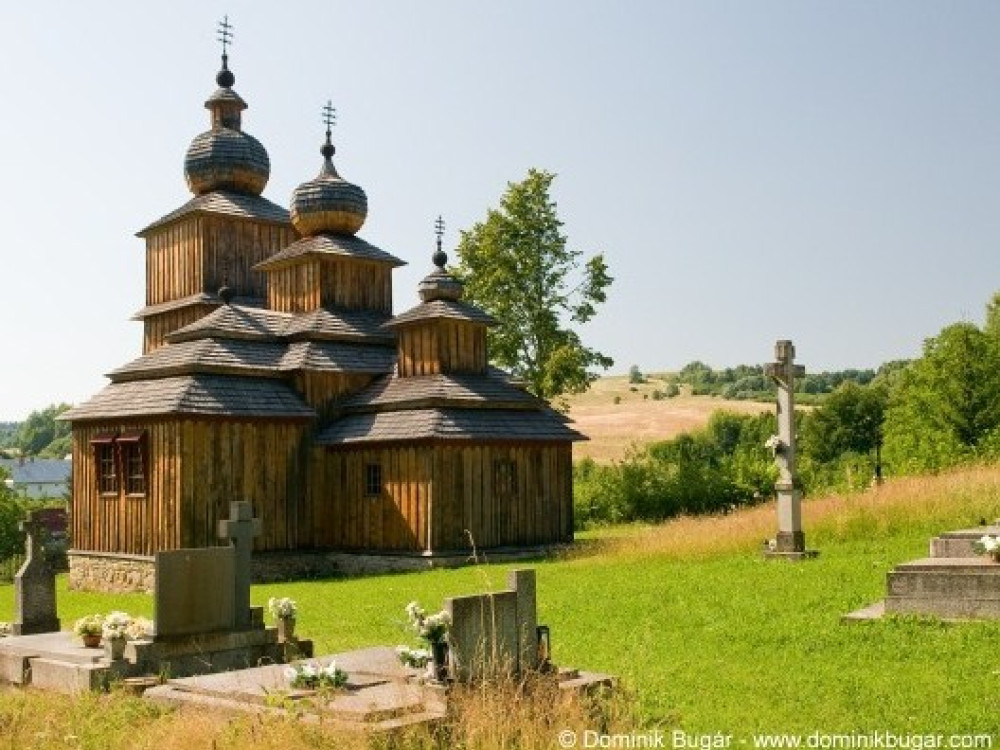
pixel 636 418
pixel 703 633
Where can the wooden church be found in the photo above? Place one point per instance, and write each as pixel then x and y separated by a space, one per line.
pixel 274 371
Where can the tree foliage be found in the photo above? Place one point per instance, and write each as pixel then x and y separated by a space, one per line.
pixel 848 421
pixel 12 512
pixel 945 406
pixel 516 266
pixel 41 435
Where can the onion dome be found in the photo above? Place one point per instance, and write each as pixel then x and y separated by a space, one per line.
pixel 226 158
pixel 328 203
pixel 440 284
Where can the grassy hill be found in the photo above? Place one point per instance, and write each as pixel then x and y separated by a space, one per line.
pixel 637 418
pixel 705 635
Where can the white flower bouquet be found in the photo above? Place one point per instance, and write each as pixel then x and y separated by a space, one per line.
pixel 283 608
pixel 116 625
pixel 313 676
pixel 988 545
pixel 432 628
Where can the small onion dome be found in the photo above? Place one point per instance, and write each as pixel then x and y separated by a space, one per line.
pixel 328 203
pixel 440 284
pixel 226 158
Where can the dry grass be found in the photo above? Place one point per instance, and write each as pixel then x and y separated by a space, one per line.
pixel 524 715
pixel 960 498
pixel 614 428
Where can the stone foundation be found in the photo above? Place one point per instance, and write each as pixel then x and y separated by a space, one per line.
pixel 114 574
pixel 101 571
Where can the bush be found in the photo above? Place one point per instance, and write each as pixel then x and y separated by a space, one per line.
pixel 12 512
pixel 713 470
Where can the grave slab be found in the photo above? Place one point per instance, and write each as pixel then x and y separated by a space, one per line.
pixel 960 543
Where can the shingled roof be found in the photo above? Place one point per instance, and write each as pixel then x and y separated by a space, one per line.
pixel 207 355
pixel 340 325
pixel 447 424
pixel 243 322
pixel 202 298
pixel 209 395
pixel 441 308
pixel 342 245
pixel 330 356
pixel 235 322
pixel 492 391
pixel 226 203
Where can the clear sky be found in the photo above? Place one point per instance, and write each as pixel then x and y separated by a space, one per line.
pixel 822 171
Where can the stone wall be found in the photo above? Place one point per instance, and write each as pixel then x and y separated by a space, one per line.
pixel 93 571
pixel 96 571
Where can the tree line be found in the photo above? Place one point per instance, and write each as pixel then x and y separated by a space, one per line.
pixel 935 412
pixel 39 435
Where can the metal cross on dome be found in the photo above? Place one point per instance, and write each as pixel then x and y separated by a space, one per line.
pixel 439 230
pixel 329 115
pixel 225 33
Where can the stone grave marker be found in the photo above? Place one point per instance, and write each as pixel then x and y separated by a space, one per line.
pixel 34 584
pixel 790 542
pixel 195 591
pixel 240 529
pixel 495 633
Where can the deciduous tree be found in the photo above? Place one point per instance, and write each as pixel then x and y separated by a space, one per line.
pixel 516 265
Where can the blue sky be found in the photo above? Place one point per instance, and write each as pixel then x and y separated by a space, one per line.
pixel 822 171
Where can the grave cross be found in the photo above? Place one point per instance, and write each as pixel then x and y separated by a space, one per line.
pixel 31 527
pixel 784 371
pixel 240 529
pixel 34 584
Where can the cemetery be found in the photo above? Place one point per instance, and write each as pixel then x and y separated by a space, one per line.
pixel 337 524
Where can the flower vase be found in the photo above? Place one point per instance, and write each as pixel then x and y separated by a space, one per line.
pixel 91 641
pixel 286 629
pixel 114 648
pixel 438 667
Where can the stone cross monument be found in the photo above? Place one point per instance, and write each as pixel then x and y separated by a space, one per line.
pixel 240 529
pixel 34 585
pixel 790 542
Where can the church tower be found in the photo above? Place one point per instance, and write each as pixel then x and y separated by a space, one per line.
pixel 217 237
pixel 330 268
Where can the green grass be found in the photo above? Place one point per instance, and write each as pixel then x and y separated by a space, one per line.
pixel 724 642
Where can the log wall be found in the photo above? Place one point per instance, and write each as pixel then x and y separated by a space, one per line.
pixel 537 510
pixel 344 517
pixel 347 283
pixel 294 288
pixel 200 252
pixel 442 346
pixel 156 328
pixel 195 468
pixel 322 390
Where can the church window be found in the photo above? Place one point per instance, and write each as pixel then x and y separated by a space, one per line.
pixel 105 463
pixel 373 480
pixel 504 478
pixel 132 447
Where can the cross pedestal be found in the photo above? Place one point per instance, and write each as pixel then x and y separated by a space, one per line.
pixel 790 542
pixel 240 529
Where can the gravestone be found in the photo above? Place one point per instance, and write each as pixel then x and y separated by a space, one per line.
pixel 240 529
pixel 790 542
pixel 496 633
pixel 34 584
pixel 195 591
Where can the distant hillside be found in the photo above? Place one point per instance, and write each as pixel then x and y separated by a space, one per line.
pixel 638 417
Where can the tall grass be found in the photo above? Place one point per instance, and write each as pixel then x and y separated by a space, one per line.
pixel 928 504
